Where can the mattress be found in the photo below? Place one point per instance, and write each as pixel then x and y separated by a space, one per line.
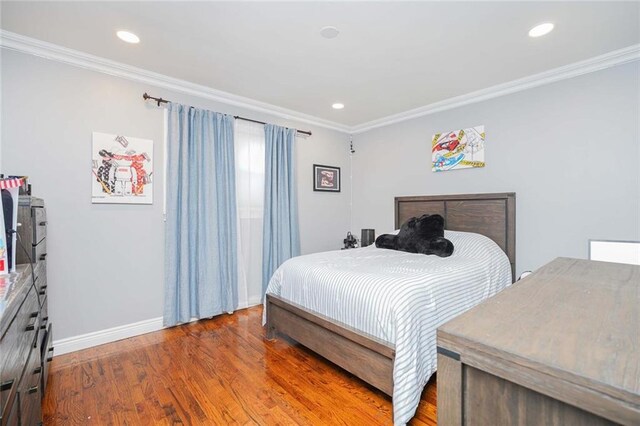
pixel 398 297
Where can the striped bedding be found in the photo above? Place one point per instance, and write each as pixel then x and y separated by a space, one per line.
pixel 398 297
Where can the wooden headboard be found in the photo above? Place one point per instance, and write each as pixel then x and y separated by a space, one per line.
pixel 493 215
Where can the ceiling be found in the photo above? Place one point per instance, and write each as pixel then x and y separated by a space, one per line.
pixel 389 57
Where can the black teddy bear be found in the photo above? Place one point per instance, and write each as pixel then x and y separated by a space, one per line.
pixel 424 234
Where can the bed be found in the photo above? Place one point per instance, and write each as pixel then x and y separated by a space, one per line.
pixel 370 350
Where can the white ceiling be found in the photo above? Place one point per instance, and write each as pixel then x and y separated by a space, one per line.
pixel 390 57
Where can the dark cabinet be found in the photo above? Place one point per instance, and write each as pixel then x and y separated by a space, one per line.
pixel 20 363
pixel 25 329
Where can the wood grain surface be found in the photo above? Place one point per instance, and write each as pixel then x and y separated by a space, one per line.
pixel 492 215
pixel 450 373
pixel 363 355
pixel 569 331
pixel 220 371
pixel 517 405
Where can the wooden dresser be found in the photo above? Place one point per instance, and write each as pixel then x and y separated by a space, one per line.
pixel 25 331
pixel 560 347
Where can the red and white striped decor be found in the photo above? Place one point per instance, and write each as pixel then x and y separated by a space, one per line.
pixel 11 183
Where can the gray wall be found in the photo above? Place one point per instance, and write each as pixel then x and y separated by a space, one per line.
pixel 570 150
pixel 105 264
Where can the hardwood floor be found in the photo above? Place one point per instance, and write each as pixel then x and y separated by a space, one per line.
pixel 214 372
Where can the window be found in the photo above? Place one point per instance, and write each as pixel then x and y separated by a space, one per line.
pixel 250 164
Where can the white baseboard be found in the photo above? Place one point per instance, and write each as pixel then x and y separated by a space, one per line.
pixel 89 340
pixel 250 303
pixel 96 338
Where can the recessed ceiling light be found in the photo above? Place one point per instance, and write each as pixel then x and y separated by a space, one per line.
pixel 337 105
pixel 329 32
pixel 128 37
pixel 540 30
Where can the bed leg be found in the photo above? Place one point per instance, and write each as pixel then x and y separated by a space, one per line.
pixel 271 332
pixel 271 329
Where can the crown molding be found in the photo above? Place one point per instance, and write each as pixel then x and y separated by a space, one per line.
pixel 43 49
pixel 616 57
pixel 20 43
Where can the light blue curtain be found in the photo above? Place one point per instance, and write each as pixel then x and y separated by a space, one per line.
pixel 281 236
pixel 200 230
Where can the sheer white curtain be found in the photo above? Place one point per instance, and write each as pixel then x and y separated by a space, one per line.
pixel 250 165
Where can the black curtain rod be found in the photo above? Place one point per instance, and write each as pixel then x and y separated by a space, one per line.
pixel 145 96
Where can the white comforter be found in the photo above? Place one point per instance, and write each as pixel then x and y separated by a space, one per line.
pixel 398 297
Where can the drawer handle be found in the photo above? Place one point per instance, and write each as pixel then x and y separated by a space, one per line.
pixel 50 359
pixel 33 389
pixel 43 223
pixel 37 370
pixel 43 256
pixel 5 386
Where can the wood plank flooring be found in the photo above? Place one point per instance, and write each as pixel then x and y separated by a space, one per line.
pixel 213 372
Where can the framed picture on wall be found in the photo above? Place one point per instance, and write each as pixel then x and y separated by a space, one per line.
pixel 326 178
pixel 458 149
pixel 122 169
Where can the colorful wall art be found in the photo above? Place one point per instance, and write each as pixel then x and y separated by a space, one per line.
pixel 122 169
pixel 458 149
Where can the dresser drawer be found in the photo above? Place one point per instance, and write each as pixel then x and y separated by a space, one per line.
pixel 39 252
pixel 11 364
pixel 40 269
pixel 10 417
pixel 29 391
pixel 39 217
pixel 46 356
pixel 18 343
pixel 28 319
pixel 44 316
pixel 41 286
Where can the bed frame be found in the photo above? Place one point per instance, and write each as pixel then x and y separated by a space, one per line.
pixel 364 355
